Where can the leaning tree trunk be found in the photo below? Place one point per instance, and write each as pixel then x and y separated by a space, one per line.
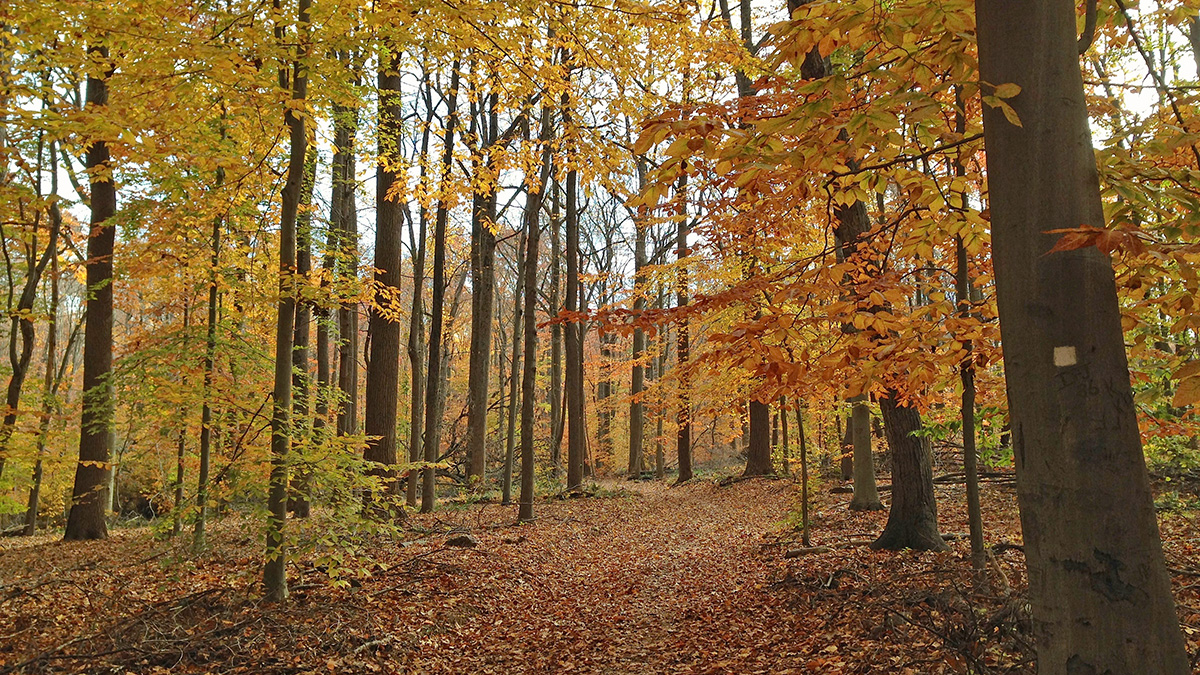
pixel 912 520
pixel 1098 584
pixel 88 496
pixel 50 385
pixel 416 317
pixel 199 528
pixel 275 569
pixel 383 372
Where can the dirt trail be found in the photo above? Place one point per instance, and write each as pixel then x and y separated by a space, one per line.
pixel 661 582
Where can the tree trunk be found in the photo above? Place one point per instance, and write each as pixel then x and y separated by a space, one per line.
pixel 514 367
pixel 275 569
pixel 787 446
pixel 199 530
pixel 866 493
pixel 1098 584
pixel 433 420
pixel 804 536
pixel 533 208
pixel 554 393
pixel 683 434
pixel 298 498
pixel 576 422
pixel 88 498
pixel 383 371
pixel 758 450
pixel 344 240
pixel 50 385
pixel 416 320
pixel 638 375
pixel 912 519
pixel 483 284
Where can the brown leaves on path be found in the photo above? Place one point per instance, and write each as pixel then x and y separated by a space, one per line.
pixel 658 580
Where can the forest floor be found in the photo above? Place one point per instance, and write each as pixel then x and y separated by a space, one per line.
pixel 643 579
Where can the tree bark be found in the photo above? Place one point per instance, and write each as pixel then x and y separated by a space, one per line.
pixel 433 420
pixel 275 570
pixel 344 240
pixel 533 208
pixel 383 371
pixel 483 284
pixel 88 497
pixel 683 434
pixel 576 422
pixel 638 375
pixel 1098 584
pixel 758 450
pixel 866 492
pixel 912 519
pixel 199 529
pixel 298 503
pixel 514 367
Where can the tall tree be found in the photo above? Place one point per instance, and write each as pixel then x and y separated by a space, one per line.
pixel 433 420
pixel 683 434
pixel 1098 584
pixel 637 378
pixel 483 285
pixel 383 373
pixel 533 206
pixel 576 422
pixel 295 80
pixel 88 498
pixel 343 239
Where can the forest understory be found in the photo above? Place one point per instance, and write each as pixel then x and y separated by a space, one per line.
pixel 643 578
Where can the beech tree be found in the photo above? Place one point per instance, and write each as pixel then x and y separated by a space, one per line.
pixel 1097 580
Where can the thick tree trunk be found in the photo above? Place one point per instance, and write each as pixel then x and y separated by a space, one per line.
pixel 88 496
pixel 433 419
pixel 912 519
pixel 1098 583
pixel 383 371
pixel 275 569
pixel 758 450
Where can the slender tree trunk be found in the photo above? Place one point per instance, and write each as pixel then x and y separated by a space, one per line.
pixel 416 321
pixel 555 392
pixel 433 421
pixel 683 434
pixel 1098 584
pixel 298 498
pixel 49 391
pixel 533 208
pixel 804 536
pixel 88 498
pixel 576 421
pixel 514 368
pixel 483 284
pixel 344 239
pixel 638 376
pixel 275 569
pixel 199 531
pixel 966 370
pixel 787 446
pixel 383 373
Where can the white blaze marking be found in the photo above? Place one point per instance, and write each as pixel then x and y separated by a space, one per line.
pixel 1064 356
